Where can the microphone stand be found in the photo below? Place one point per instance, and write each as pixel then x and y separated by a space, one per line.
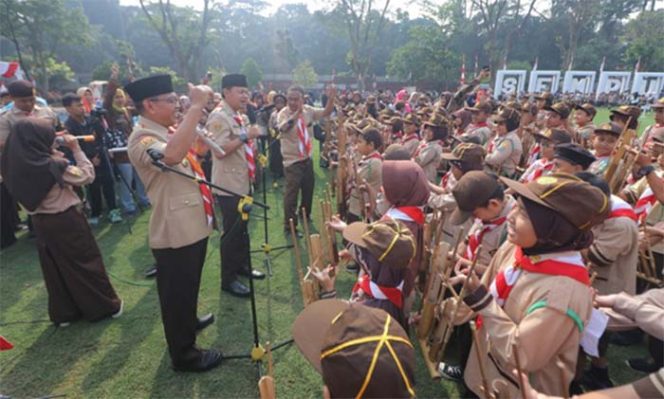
pixel 257 352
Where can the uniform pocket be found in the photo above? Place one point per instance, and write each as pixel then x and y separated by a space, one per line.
pixel 184 201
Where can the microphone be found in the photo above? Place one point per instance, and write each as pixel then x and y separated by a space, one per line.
pixel 155 154
pixel 59 140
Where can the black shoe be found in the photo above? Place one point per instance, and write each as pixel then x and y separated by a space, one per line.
pixel 452 373
pixel 236 288
pixel 642 365
pixel 596 379
pixel 255 274
pixel 204 321
pixel 209 359
pixel 150 272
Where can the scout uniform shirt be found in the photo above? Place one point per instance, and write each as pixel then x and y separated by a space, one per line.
pixel 481 131
pixel 410 143
pixel 615 250
pixel 584 134
pixel 10 117
pixel 505 154
pixel 541 167
pixel 491 235
pixel 599 166
pixel 647 136
pixel 646 205
pixel 370 168
pixel 59 199
pixel 297 143
pixel 428 156
pixel 544 314
pixel 233 171
pixel 178 214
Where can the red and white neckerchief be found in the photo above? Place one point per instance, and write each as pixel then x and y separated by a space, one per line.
pixel 373 290
pixel 406 214
pixel 304 144
pixel 648 139
pixel 620 208
pixel 373 155
pixel 475 239
pixel 569 264
pixel 540 167
pixel 248 149
pixel 205 190
pixel 420 147
pixel 534 154
pixel 492 144
pixel 645 203
pixel 446 179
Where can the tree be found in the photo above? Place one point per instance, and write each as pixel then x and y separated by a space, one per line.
pixel 179 83
pixel 184 31
pixel 644 36
pixel 305 75
pixel 42 27
pixel 253 72
pixel 364 25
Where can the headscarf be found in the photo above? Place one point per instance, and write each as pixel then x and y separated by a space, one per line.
pixel 465 117
pixel 119 92
pixel 405 183
pixel 554 232
pixel 29 168
pixel 84 100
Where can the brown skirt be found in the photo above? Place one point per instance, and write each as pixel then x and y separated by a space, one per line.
pixel 74 272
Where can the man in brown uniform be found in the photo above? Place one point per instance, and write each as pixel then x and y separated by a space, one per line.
pixel 583 118
pixel 234 170
pixel 182 214
pixel 296 126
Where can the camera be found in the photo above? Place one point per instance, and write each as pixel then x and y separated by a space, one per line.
pixel 98 112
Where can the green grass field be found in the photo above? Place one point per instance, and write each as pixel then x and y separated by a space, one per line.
pixel 127 357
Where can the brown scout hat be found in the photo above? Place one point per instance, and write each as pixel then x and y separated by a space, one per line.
pixel 436 120
pixel 574 154
pixel 507 114
pixel 390 241
pixel 468 153
pixel 360 351
pixel 627 110
pixel 529 108
pixel 588 108
pixel 394 120
pixel 559 108
pixel 658 104
pixel 412 119
pixel 545 95
pixel 484 106
pixel 558 136
pixel 609 128
pixel 472 191
pixel 583 205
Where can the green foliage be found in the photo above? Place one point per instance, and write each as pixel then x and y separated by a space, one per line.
pixel 179 83
pixel 253 72
pixel 644 37
pixel 305 75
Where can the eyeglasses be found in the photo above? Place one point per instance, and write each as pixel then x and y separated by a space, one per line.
pixel 170 100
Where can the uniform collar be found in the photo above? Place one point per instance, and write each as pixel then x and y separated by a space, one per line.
pixel 152 125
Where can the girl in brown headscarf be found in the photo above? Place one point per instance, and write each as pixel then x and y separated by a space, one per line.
pixel 40 178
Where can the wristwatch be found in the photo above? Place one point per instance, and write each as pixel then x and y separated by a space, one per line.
pixel 645 171
pixel 244 138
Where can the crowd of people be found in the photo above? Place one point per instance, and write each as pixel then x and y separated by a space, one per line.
pixel 551 226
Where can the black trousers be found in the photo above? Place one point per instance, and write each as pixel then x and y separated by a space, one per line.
pixel 103 183
pixel 178 281
pixel 8 217
pixel 235 245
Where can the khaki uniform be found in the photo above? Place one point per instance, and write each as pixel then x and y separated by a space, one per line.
pixel 371 170
pixel 615 253
pixel 59 198
pixel 178 218
pixel 644 311
pixel 483 132
pixel 583 134
pixel 429 158
pixel 491 239
pixel 543 335
pixel 599 166
pixel 656 214
pixel 290 141
pixel 506 154
pixel 411 143
pixel 230 172
pixel 648 132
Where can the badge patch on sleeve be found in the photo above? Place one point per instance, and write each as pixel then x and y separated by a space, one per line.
pixel 147 141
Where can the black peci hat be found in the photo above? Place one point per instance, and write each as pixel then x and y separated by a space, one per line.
pixel 233 80
pixel 148 87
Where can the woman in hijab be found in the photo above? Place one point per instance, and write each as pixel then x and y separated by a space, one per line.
pixel 536 295
pixel 41 179
pixel 120 126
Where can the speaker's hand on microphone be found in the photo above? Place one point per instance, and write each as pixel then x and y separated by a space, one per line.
pixel 155 154
pixel 71 142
